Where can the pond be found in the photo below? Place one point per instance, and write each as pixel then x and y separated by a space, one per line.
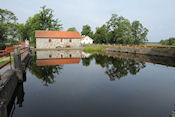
pixel 77 84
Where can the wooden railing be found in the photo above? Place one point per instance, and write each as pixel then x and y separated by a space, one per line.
pixel 8 61
pixel 7 54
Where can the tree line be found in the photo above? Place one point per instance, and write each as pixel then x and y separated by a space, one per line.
pixel 13 32
pixel 170 41
pixel 117 30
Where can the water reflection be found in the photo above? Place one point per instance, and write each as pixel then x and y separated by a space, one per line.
pixel 46 64
pixel 46 58
pixel 20 94
pixel 134 98
pixel 116 68
pixel 45 73
pixel 17 97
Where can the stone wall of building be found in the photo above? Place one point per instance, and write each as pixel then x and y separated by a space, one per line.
pixel 46 43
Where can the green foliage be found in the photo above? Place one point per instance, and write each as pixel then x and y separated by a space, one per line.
pixel 94 49
pixel 3 33
pixel 119 30
pixel 87 31
pixel 44 20
pixel 14 42
pixel 7 25
pixel 101 35
pixel 170 41
pixel 139 33
pixel 72 29
pixel 2 46
pixel 22 32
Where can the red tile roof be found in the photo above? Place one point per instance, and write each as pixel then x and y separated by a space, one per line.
pixel 23 43
pixel 57 34
pixel 48 62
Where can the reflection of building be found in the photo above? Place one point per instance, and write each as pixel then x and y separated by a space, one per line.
pixel 57 39
pixel 86 55
pixel 46 58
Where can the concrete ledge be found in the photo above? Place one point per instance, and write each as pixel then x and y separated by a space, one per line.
pixel 8 86
pixel 6 76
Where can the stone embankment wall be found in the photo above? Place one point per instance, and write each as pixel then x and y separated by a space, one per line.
pixel 11 78
pixel 167 52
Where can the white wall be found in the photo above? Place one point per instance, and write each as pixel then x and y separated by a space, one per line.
pixel 87 40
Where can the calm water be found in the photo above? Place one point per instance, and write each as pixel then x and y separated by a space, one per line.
pixel 97 86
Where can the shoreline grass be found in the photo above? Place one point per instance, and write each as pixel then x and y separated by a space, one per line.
pixel 94 49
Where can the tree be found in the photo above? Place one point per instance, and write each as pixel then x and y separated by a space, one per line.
pixel 47 21
pixel 120 30
pixel 7 17
pixel 170 41
pixel 7 25
pixel 22 33
pixel 44 20
pixel 3 34
pixel 72 29
pixel 101 35
pixel 87 31
pixel 139 33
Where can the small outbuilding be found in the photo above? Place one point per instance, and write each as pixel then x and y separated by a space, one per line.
pixel 86 40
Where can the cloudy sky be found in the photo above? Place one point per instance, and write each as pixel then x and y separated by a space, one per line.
pixel 157 15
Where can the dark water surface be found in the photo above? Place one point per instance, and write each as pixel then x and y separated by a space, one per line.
pixel 97 86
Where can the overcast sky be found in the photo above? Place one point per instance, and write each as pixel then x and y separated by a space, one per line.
pixel 157 15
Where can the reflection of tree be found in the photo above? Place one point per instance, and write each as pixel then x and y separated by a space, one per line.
pixel 46 73
pixel 20 94
pixel 120 68
pixel 117 67
pixel 86 61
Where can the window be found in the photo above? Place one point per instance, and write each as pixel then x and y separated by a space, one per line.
pixel 70 40
pixel 50 56
pixel 50 40
pixel 61 56
pixel 70 55
pixel 61 40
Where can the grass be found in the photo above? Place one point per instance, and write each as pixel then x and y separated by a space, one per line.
pixel 4 62
pixel 2 58
pixel 94 49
